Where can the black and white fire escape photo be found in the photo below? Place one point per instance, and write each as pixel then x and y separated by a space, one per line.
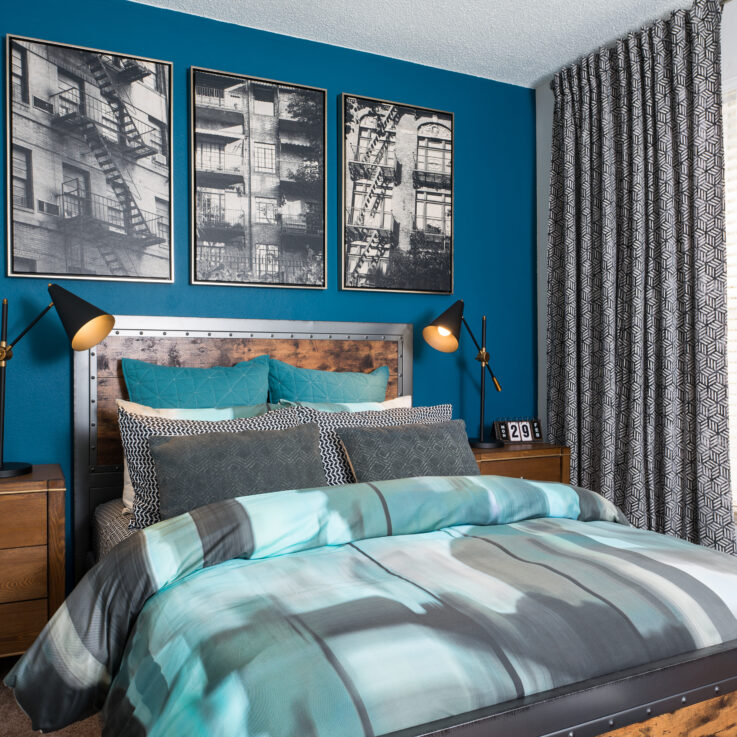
pixel 258 200
pixel 89 152
pixel 398 197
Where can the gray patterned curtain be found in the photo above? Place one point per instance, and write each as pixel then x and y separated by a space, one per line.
pixel 637 379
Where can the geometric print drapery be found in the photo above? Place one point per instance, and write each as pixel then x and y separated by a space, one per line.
pixel 637 376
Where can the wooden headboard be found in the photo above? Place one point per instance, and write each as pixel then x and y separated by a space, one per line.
pixel 182 341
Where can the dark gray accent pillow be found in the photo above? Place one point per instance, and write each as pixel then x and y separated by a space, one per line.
pixel 195 470
pixel 404 451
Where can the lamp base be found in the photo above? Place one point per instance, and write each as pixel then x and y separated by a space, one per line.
pixel 14 469
pixel 486 444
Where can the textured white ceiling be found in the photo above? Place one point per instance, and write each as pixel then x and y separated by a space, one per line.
pixel 516 41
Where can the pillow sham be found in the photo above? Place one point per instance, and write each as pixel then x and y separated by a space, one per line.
pixel 334 460
pixel 246 383
pixel 405 451
pixel 310 385
pixel 208 414
pixel 194 470
pixel 135 430
pixel 399 402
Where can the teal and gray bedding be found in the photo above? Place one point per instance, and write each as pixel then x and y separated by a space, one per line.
pixel 363 609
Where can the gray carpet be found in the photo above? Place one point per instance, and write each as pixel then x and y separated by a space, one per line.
pixel 14 723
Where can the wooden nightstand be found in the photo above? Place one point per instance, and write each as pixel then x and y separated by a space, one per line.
pixel 535 461
pixel 31 554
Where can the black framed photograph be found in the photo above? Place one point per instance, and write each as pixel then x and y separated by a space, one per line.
pixel 258 182
pixel 397 197
pixel 89 163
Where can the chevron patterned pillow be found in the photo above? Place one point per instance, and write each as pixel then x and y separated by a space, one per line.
pixel 334 459
pixel 135 430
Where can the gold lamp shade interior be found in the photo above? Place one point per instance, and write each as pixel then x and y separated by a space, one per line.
pixel 85 324
pixel 443 332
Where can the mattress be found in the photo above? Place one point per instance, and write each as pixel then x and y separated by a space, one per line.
pixel 109 527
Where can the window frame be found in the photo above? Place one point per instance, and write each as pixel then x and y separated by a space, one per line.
pixel 262 168
pixel 27 182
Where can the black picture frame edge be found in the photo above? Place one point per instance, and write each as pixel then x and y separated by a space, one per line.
pixel 9 38
pixel 343 286
pixel 193 184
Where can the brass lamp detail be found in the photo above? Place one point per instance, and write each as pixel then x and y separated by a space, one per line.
pixel 85 325
pixel 443 334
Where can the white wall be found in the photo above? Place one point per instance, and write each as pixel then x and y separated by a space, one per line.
pixel 544 127
pixel 544 135
pixel 729 41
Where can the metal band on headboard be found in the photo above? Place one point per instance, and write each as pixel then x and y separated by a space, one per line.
pixel 98 471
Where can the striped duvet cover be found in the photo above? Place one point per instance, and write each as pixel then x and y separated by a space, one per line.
pixel 368 608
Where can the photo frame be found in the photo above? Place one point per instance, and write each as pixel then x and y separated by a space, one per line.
pixel 258 182
pixel 397 197
pixel 88 163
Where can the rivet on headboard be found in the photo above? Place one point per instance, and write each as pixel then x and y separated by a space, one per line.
pixel 93 424
pixel 140 332
pixel 92 400
pixel 230 335
pixel 117 332
pixel 92 378
pixel 209 334
pixel 92 354
pixel 186 333
pixel 164 333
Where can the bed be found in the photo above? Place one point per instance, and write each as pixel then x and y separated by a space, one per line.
pixel 585 708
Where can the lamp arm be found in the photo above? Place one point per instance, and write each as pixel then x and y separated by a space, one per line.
pixel 31 324
pixel 497 385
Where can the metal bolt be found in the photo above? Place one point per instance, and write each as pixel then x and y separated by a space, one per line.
pixel 683 699
pixel 92 400
pixel 611 722
pixel 716 689
pixel 164 333
pixel 92 378
pixel 648 710
pixel 92 424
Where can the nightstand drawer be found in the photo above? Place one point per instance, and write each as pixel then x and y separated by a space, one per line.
pixel 22 520
pixel 20 624
pixel 23 574
pixel 535 469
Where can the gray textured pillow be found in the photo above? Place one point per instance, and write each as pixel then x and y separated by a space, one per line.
pixel 192 471
pixel 404 451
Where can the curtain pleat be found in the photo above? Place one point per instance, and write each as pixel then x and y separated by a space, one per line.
pixel 637 382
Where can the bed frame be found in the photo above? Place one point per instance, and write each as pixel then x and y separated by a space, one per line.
pixel 695 688
pixel 185 341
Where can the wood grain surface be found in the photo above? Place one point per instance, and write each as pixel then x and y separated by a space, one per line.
pixel 713 718
pixel 326 355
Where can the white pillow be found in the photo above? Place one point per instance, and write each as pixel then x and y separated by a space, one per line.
pixel 404 402
pixel 210 414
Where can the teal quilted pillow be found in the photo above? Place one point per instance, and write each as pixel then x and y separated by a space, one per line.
pixel 309 385
pixel 168 387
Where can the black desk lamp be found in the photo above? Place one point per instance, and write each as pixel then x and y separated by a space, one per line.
pixel 86 326
pixel 443 334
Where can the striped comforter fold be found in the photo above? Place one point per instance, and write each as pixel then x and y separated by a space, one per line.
pixel 368 608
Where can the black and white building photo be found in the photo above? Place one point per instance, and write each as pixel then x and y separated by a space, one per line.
pixel 397 197
pixel 89 174
pixel 258 196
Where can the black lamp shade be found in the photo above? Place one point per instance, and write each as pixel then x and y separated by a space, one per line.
pixel 86 325
pixel 443 332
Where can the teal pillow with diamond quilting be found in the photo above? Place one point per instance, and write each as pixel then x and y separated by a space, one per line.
pixel 310 385
pixel 166 387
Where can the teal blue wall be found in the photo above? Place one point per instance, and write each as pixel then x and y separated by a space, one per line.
pixel 494 216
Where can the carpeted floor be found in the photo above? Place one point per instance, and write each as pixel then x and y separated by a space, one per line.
pixel 14 723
